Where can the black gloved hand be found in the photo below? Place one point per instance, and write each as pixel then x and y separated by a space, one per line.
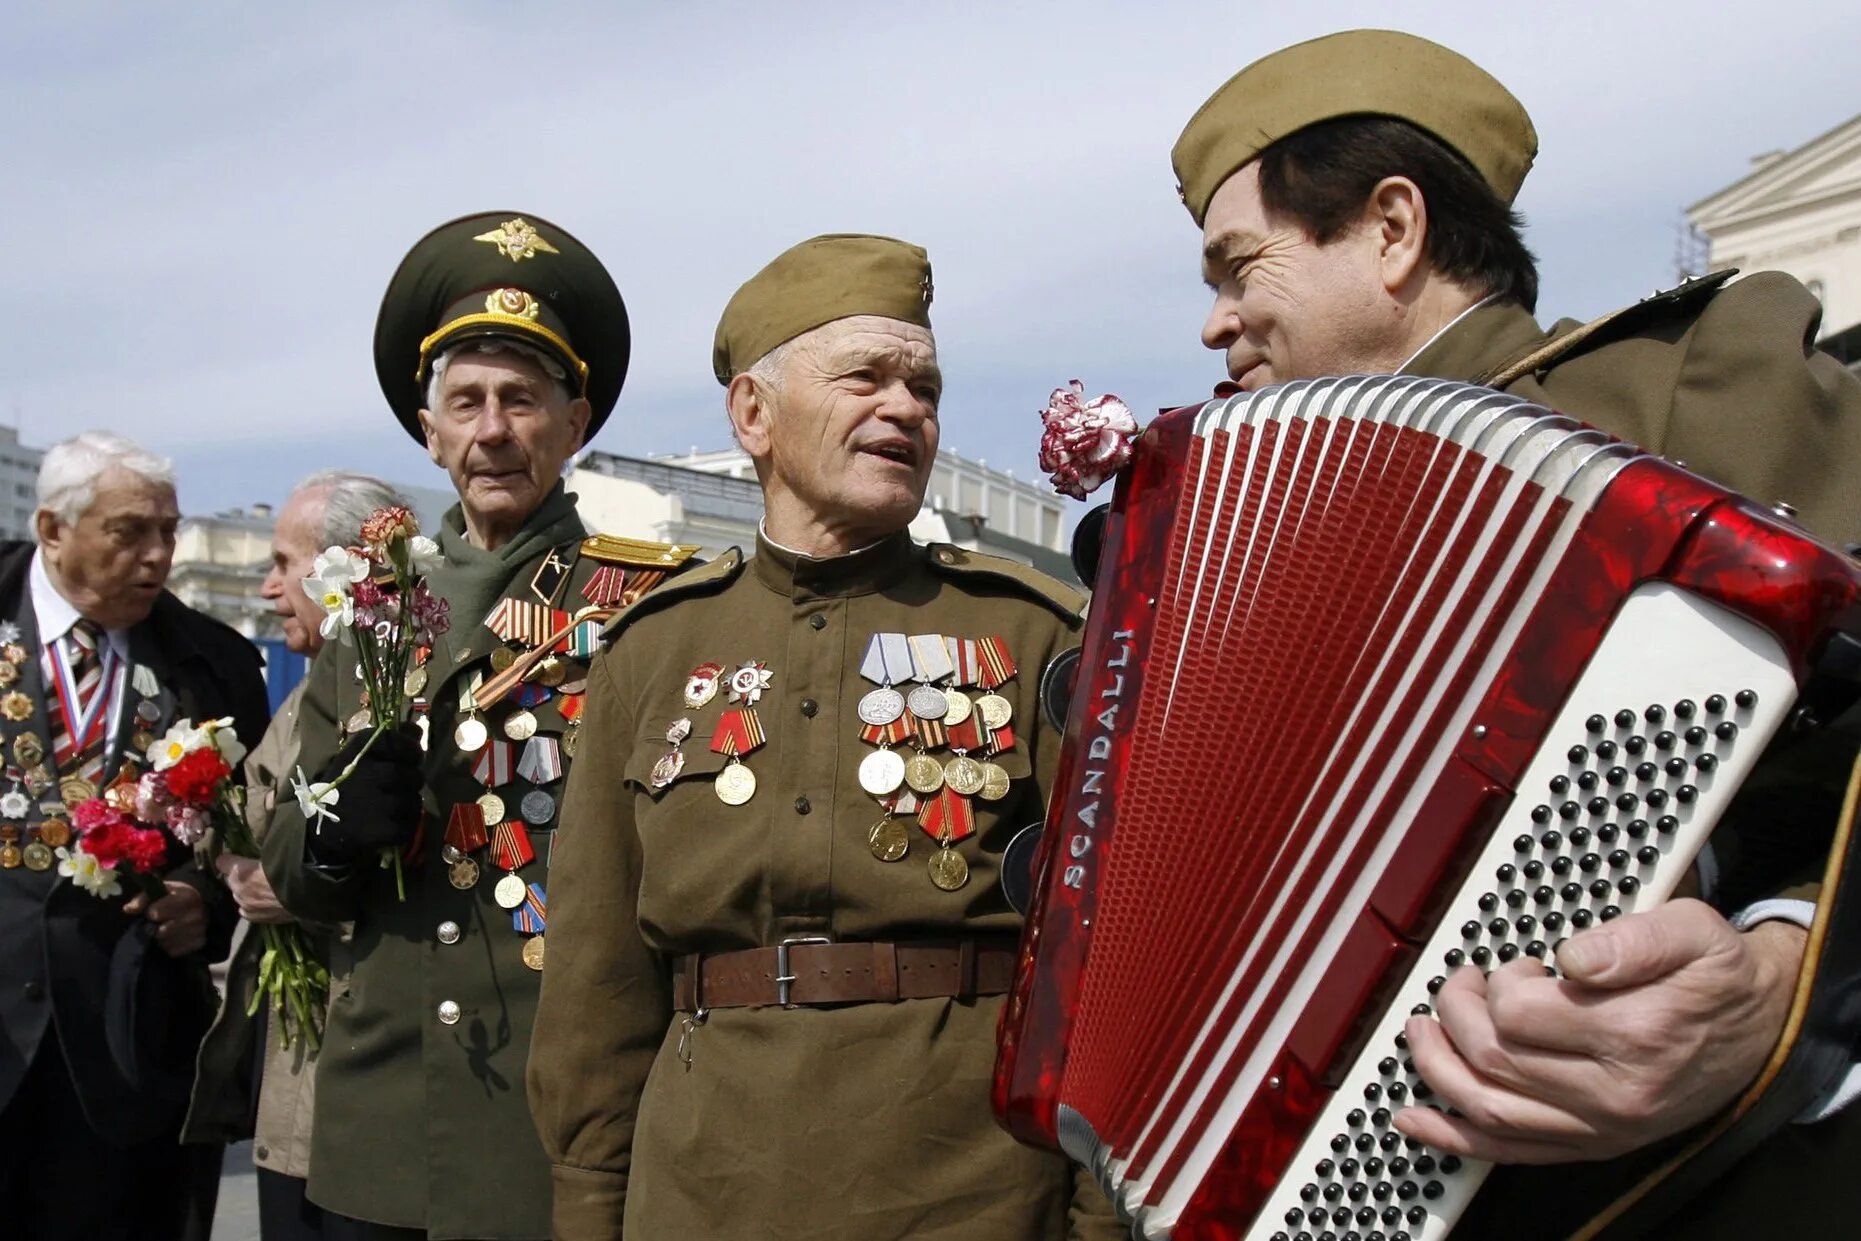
pixel 378 806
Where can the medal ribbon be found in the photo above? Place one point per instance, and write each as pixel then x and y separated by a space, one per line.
pixel 510 845
pixel 968 734
pixel 904 801
pixel 932 733
pixel 531 917
pixel 84 718
pixel 998 740
pixel 964 659
pixel 900 729
pixel 542 761
pixel 930 658
pixel 569 706
pixel 887 660
pixel 738 732
pixel 531 694
pixel 641 581
pixel 997 665
pixel 585 639
pixel 465 828
pixel 493 765
pixel 607 587
pixel 948 812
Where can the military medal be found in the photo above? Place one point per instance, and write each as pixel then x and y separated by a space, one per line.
pixel 887 662
pixel 748 682
pixel 533 953
pixel 521 725
pixel 9 675
pixel 463 874
pixel 13 653
pixel 14 804
pixel 701 685
pixel 37 856
pixel 881 772
pixel 509 892
pixel 16 706
pixel 948 870
pixel 995 710
pixel 923 773
pixel 957 707
pixel 551 673
pixel 492 807
pixel 888 839
pixel 671 763
pixel 995 782
pixel 542 761
pixel 530 917
pixel 570 736
pixel 881 706
pixel 465 828
pixel 10 856
pixel 930 663
pixel 739 732
pixel 963 775
pixel 28 749
pixel 75 789
pixel 470 734
pixel 735 784
pixel 537 807
pixel 502 658
pixel 55 832
pixel 39 780
pixel 414 682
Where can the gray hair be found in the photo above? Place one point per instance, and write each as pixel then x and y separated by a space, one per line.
pixel 352 500
pixel 68 475
pixel 767 370
pixel 495 346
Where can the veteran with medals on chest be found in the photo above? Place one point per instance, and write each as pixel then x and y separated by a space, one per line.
pixel 779 937
pixel 501 346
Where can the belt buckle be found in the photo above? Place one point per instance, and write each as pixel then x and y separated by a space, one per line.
pixel 784 977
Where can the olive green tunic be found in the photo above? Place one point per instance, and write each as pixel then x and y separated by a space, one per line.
pixel 420 1123
pixel 859 1122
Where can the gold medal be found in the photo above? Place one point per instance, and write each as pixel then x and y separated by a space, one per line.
pixel 963 774
pixel 28 750
pixel 521 726
pixel 38 856
pixel 533 952
pixel 493 806
pixel 13 653
pixel 509 892
pixel 995 710
pixel 415 680
pixel 15 706
pixel 568 740
pixel 470 735
pixel 551 673
pixel 735 785
pixel 142 741
pixel 55 832
pixel 9 675
pixel 75 789
pixel 463 874
pixel 881 772
pixel 923 773
pixel 995 782
pixel 10 856
pixel 948 870
pixel 39 779
pixel 889 839
pixel 958 706
pixel 359 722
pixel 502 658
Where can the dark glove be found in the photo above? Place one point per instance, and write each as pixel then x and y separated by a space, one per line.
pixel 378 806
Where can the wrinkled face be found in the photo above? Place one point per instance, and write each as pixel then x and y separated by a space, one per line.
pixel 1285 306
pixel 852 436
pixel 502 430
pixel 113 561
pixel 295 542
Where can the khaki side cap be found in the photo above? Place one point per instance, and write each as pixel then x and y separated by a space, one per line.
pixel 961 562
pixel 1355 73
pixel 830 277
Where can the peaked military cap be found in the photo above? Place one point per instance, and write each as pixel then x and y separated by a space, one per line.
pixel 822 279
pixel 502 275
pixel 1355 73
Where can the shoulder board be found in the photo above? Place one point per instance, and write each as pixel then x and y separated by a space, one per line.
pixel 1682 299
pixel 637 553
pixel 955 561
pixel 706 578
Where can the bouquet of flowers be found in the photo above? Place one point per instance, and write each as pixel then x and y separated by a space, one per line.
pixel 1084 442
pixel 133 829
pixel 375 598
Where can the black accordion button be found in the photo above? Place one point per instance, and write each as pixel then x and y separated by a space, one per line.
pixel 1707 762
pixel 1726 730
pixel 1746 699
pixel 1715 705
pixel 1684 709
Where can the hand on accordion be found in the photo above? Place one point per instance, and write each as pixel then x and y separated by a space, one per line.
pixel 1661 1020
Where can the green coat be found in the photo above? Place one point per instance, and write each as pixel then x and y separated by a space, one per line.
pixel 857 1122
pixel 421 1123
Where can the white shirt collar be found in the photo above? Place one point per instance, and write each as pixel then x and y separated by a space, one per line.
pixel 1445 329
pixel 54 613
pixel 762 528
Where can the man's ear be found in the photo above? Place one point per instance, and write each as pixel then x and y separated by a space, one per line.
pixel 1399 215
pixel 49 531
pixel 751 415
pixel 432 439
pixel 580 411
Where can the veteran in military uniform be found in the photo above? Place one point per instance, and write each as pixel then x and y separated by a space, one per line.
pixel 779 937
pixel 1354 195
pixel 501 346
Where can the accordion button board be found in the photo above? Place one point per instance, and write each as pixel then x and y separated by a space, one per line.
pixel 1479 678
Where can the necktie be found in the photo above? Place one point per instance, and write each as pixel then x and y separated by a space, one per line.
pixel 80 756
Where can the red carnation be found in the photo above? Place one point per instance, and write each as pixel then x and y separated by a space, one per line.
pixel 109 841
pixel 146 849
pixel 94 812
pixel 194 779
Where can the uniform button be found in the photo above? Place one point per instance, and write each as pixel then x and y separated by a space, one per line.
pixel 263 1152
pixel 809 707
pixel 449 1012
pixel 449 932
pixel 818 621
pixel 802 805
pixel 34 990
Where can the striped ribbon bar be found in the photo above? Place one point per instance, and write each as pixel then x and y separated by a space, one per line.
pixel 584 640
pixel 493 767
pixel 510 845
pixel 998 740
pixel 531 917
pixel 901 729
pixel 968 734
pixel 607 587
pixel 465 829
pixel 932 733
pixel 542 760
pixel 738 732
pixel 948 811
pixel 965 659
pixel 997 665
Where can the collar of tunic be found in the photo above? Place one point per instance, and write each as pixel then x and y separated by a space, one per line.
pixel 1471 343
pixel 864 572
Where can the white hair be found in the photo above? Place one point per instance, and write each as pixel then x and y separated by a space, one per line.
pixel 68 475
pixel 494 346
pixel 767 370
pixel 351 500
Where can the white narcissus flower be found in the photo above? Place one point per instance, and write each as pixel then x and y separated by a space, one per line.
pixel 423 554
pixel 225 738
pixel 331 584
pixel 181 740
pixel 316 801
pixel 85 871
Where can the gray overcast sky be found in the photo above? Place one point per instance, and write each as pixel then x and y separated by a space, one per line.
pixel 207 199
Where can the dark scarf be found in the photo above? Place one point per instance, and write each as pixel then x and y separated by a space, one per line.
pixel 472 579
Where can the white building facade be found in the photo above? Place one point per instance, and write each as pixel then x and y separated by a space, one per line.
pixel 19 484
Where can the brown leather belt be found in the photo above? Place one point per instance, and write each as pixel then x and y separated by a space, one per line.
pixel 806 969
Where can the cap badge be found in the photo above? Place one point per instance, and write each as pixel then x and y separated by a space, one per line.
pixel 924 288
pixel 517 239
pixel 512 303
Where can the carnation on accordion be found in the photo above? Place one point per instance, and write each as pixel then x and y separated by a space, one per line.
pixel 1383 676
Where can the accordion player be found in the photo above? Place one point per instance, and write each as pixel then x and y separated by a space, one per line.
pixel 1385 676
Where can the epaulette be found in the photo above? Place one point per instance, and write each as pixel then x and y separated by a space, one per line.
pixel 637 553
pixel 961 562
pixel 711 576
pixel 1682 299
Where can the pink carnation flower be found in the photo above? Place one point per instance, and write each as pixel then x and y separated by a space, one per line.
pixel 1084 442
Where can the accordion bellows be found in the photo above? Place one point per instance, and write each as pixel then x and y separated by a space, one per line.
pixel 1383 675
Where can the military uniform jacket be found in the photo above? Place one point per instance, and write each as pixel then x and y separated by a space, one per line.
pixel 1725 379
pixel 858 1122
pixel 420 1118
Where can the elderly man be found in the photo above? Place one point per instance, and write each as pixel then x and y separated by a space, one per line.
pixel 327 509
pixel 90 635
pixel 501 346
pixel 780 943
pixel 1354 198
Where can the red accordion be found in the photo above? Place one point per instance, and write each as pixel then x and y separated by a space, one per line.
pixel 1382 676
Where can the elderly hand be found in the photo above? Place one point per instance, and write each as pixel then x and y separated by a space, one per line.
pixel 180 918
pixel 1661 1019
pixel 251 890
